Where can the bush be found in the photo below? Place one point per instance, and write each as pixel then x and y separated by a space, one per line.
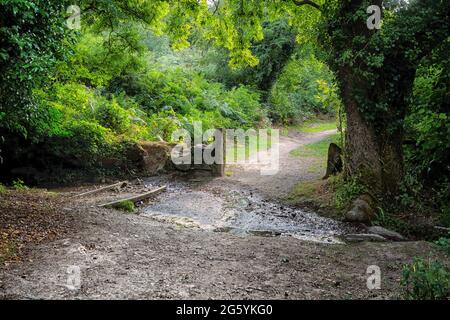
pixel 304 89
pixel 426 280
pixel 390 221
pixel 18 184
pixel 86 143
pixel 110 115
pixel 427 185
pixel 242 105
pixel 444 243
pixel 346 190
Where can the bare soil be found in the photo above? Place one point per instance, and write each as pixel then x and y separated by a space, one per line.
pixel 185 249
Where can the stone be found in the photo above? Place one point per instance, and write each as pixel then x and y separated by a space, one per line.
pixel 386 233
pixel 361 211
pixel 150 157
pixel 334 162
pixel 361 237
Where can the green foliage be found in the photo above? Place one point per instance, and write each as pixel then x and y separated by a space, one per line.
pixel 427 126
pixel 18 184
pixel 346 190
pixel 304 89
pixel 390 221
pixel 110 115
pixel 3 189
pixel 426 280
pixel 82 95
pixel 444 242
pixel 32 39
pixel 109 93
pixel 272 53
pixel 127 206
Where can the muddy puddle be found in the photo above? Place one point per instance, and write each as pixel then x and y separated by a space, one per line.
pixel 241 212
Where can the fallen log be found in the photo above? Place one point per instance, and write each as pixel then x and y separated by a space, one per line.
pixel 135 199
pixel 118 184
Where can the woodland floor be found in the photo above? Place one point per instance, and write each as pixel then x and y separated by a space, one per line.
pixel 232 237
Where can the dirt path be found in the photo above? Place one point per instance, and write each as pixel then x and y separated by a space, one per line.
pixel 292 170
pixel 182 247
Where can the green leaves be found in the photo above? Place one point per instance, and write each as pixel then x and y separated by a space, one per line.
pixel 426 280
pixel 31 40
pixel 304 88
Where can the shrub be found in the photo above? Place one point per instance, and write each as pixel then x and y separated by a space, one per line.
pixel 426 280
pixel 390 221
pixel 110 115
pixel 244 107
pixel 304 88
pixel 86 143
pixel 18 184
pixel 346 190
pixel 444 242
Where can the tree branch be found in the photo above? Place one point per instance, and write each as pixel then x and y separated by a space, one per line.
pixel 307 2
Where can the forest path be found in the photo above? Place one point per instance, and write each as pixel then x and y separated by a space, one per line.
pixel 176 248
pixel 292 170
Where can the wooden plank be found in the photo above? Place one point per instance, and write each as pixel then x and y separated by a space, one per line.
pixel 118 184
pixel 137 198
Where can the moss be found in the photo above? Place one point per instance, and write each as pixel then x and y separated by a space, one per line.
pixel 126 205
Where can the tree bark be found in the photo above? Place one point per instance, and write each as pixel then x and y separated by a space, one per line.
pixel 375 96
pixel 373 157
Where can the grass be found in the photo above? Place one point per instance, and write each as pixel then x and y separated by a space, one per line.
pixel 317 149
pixel 318 194
pixel 3 189
pixel 317 125
pixel 424 279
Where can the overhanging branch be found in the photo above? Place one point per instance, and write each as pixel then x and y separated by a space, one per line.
pixel 307 2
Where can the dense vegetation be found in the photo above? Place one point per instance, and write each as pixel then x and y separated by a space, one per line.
pixel 138 70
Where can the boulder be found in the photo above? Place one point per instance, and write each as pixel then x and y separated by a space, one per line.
pixel 361 211
pixel 149 157
pixel 361 237
pixel 388 234
pixel 155 157
pixel 334 162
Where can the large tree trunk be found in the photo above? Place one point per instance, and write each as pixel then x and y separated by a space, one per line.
pixel 372 155
pixel 375 72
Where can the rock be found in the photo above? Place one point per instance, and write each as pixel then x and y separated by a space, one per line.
pixel 156 156
pixel 265 233
pixel 388 234
pixel 361 237
pixel 361 211
pixel 334 163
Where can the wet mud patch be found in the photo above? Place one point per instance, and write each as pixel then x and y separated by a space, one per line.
pixel 241 212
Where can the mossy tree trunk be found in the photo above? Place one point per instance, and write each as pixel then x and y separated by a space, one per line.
pixel 375 70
